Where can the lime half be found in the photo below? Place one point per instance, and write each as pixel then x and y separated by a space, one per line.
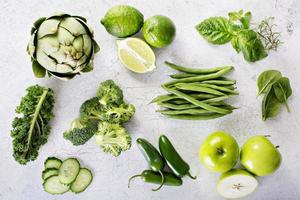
pixel 136 55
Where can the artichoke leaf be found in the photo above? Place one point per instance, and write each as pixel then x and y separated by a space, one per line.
pixel 31 46
pixel 78 43
pixel 49 44
pixel 64 77
pixel 38 70
pixel 96 47
pixel 63 68
pixel 89 67
pixel 65 37
pixel 44 60
pixel 48 27
pixel 73 26
pixel 87 45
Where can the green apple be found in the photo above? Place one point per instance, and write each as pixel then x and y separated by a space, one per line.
pixel 259 156
pixel 219 152
pixel 236 183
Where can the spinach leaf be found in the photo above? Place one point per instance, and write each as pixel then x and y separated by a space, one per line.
pixel 215 30
pixel 251 45
pixel 283 90
pixel 270 105
pixel 267 79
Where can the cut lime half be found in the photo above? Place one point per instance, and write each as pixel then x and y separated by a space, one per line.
pixel 136 55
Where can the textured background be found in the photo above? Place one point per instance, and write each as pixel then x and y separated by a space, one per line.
pixel 111 174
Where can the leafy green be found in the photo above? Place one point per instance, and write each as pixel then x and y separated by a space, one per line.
pixel 267 79
pixel 251 45
pixel 112 138
pixel 31 128
pixel 109 93
pixel 283 90
pixel 244 19
pixel 215 30
pixel 270 105
pixel 81 131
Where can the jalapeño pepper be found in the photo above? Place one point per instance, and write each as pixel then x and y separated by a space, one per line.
pixel 153 157
pixel 150 176
pixel 173 159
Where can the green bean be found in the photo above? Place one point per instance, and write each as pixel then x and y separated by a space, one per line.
pixel 162 98
pixel 230 87
pixel 179 76
pixel 198 88
pixel 187 111
pixel 177 107
pixel 177 101
pixel 195 117
pixel 201 77
pixel 215 87
pixel 219 82
pixel 217 99
pixel 196 102
pixel 168 97
pixel 193 70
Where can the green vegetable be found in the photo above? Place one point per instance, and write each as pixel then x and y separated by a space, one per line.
pixel 195 117
pixel 251 46
pixel 236 30
pixel 198 88
pixel 52 162
pixel 61 45
pixel 68 171
pixel 270 105
pixel 173 159
pixel 283 90
pixel 49 172
pixel 153 157
pixel 109 93
pixel 120 114
pixel 52 185
pixel 215 30
pixel 150 176
pixel 123 21
pixel 112 138
pixel 81 131
pixel 31 128
pixel 266 80
pixel 82 181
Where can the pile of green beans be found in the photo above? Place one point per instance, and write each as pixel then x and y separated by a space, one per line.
pixel 197 94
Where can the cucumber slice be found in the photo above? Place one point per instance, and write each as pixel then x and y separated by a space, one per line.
pixel 52 185
pixel 69 170
pixel 82 181
pixel 236 183
pixel 52 162
pixel 49 172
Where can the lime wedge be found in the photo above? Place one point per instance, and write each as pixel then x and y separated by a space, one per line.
pixel 136 55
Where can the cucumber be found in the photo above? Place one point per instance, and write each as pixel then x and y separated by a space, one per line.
pixel 82 181
pixel 52 185
pixel 52 162
pixel 68 170
pixel 49 172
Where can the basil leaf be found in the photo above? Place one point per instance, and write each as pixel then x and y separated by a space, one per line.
pixel 267 79
pixel 251 45
pixel 215 30
pixel 246 20
pixel 283 90
pixel 270 105
pixel 235 44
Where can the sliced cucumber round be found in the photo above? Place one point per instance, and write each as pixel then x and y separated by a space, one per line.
pixel 52 185
pixel 82 181
pixel 69 170
pixel 236 183
pixel 52 162
pixel 49 172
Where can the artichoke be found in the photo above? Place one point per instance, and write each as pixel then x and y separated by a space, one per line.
pixel 61 45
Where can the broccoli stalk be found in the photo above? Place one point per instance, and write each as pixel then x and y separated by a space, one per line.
pixel 81 131
pixel 112 138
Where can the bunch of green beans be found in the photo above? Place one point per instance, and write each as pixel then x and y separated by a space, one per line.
pixel 197 94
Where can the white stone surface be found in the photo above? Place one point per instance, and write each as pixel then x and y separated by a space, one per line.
pixel 111 174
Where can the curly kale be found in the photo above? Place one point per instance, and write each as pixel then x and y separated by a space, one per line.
pixel 31 128
pixel 109 93
pixel 81 131
pixel 112 138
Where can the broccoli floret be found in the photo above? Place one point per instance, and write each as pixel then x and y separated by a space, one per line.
pixel 81 131
pixel 120 114
pixel 109 93
pixel 112 138
pixel 91 109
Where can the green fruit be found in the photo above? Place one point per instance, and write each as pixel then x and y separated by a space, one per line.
pixel 259 156
pixel 236 183
pixel 159 31
pixel 123 21
pixel 219 152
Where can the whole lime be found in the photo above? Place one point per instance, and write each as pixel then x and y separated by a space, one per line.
pixel 159 31
pixel 123 21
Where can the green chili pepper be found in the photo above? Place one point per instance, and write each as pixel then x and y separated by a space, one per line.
pixel 150 176
pixel 153 157
pixel 173 159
